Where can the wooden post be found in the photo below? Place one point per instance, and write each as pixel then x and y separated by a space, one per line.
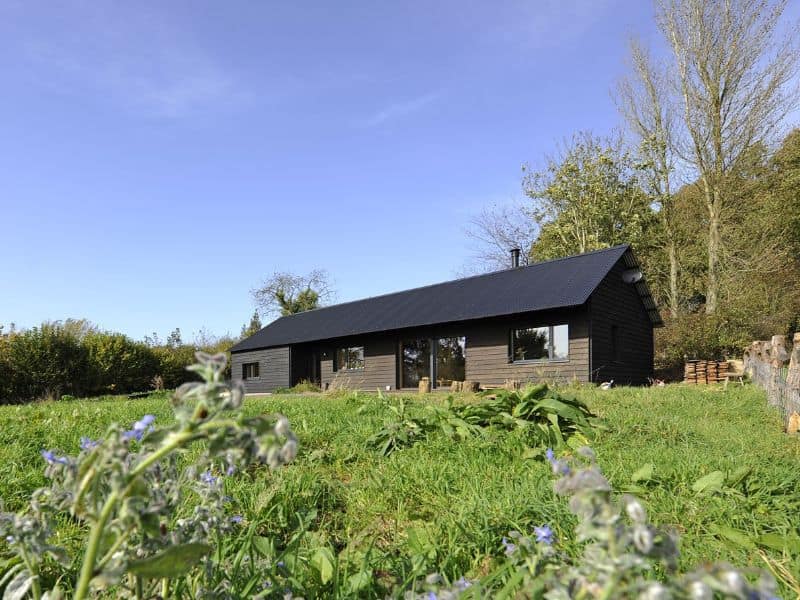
pixel 424 385
pixel 793 378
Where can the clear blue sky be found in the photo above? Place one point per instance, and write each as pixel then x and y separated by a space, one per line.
pixel 158 159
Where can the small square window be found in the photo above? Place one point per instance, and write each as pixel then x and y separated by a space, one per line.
pixel 250 370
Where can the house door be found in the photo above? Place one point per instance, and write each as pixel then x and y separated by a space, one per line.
pixel 314 369
pixel 440 359
pixel 415 362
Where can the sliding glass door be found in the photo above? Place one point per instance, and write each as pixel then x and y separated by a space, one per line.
pixel 450 360
pixel 444 357
pixel 415 362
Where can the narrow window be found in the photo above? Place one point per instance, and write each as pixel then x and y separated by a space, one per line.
pixel 540 343
pixel 250 370
pixel 349 359
pixel 559 337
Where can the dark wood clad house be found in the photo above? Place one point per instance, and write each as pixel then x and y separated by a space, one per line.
pixel 583 318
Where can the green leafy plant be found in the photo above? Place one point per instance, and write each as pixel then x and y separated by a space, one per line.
pixel 125 489
pixel 399 430
pixel 542 415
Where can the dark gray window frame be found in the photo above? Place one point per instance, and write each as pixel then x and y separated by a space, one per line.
pixel 257 370
pixel 550 358
pixel 433 344
pixel 337 368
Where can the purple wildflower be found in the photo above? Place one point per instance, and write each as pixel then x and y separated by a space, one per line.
pixel 52 457
pixel 544 534
pixel 88 443
pixel 560 467
pixel 230 470
pixel 138 429
pixel 432 596
pixel 208 478
pixel 236 519
pixel 462 584
pixel 510 548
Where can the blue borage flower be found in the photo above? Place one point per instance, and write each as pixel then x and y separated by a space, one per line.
pixel 51 457
pixel 462 584
pixel 544 534
pixel 510 548
pixel 88 443
pixel 208 478
pixel 138 429
pixel 560 467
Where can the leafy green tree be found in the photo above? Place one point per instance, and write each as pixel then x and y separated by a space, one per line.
pixel 288 294
pixel 588 199
pixel 253 327
pixel 734 68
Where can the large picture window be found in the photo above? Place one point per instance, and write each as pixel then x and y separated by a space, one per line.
pixel 350 359
pixel 250 370
pixel 540 343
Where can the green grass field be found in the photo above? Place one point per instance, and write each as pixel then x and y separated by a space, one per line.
pixel 447 504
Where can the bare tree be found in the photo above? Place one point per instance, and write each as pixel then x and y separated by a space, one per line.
pixel 644 98
pixel 286 293
pixel 495 231
pixel 732 75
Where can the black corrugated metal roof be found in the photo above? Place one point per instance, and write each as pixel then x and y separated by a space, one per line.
pixel 546 285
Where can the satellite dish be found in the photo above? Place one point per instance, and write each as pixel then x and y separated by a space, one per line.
pixel 631 276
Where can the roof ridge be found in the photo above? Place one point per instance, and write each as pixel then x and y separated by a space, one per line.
pixel 430 285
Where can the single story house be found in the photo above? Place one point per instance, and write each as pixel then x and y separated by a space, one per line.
pixel 586 318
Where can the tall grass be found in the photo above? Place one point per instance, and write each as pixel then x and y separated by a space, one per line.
pixel 444 505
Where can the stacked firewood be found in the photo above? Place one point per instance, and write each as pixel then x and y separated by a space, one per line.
pixel 705 371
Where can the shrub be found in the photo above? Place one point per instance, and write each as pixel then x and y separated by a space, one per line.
pixel 305 386
pixel 172 363
pixel 44 361
pixel 118 364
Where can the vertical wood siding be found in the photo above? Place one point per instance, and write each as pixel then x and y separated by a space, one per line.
pixel 617 304
pixel 273 369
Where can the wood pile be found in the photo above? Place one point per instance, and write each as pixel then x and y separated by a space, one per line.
pixel 701 372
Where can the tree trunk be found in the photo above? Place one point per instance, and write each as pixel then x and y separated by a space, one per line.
pixel 672 252
pixel 712 291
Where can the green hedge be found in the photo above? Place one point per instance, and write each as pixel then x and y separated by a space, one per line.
pixel 57 359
